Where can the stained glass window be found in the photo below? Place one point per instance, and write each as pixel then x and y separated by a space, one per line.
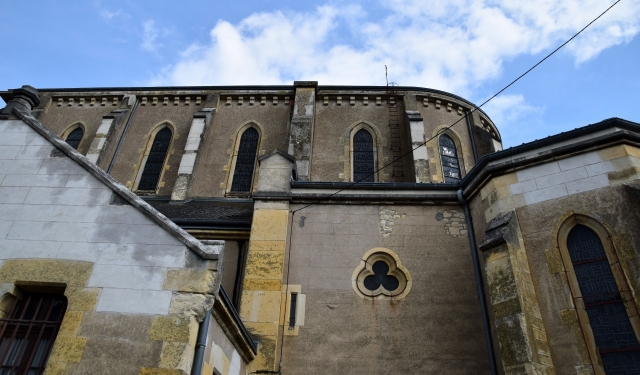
pixel 363 158
pixel 245 161
pixel 612 330
pixel 449 159
pixel 74 138
pixel 155 161
pixel 28 333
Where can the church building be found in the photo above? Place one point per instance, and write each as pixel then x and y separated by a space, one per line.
pixel 309 229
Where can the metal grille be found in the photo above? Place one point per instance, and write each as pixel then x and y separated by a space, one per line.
pixel 449 159
pixel 155 160
pixel 363 160
pixel 614 336
pixel 28 333
pixel 245 161
pixel 74 138
pixel 380 277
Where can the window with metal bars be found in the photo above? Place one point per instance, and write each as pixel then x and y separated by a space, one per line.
pixel 292 310
pixel 28 333
pixel 449 160
pixel 363 157
pixel 74 138
pixel 612 330
pixel 155 161
pixel 245 161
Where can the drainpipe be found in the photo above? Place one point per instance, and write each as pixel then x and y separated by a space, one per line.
pixel 480 285
pixel 473 140
pixel 201 344
pixel 124 132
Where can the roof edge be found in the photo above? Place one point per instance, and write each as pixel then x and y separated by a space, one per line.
pixel 206 252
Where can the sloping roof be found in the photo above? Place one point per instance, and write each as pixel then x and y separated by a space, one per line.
pixel 230 214
pixel 205 251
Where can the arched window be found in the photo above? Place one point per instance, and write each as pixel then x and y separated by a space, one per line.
pixel 245 161
pixel 613 333
pixel 363 157
pixel 155 160
pixel 449 160
pixel 28 333
pixel 74 138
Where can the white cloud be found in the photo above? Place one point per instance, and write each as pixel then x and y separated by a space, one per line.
pixel 149 37
pixel 452 45
pixel 508 110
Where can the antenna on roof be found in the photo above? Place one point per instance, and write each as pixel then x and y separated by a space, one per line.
pixel 386 76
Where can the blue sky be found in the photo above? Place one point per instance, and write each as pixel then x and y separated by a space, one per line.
pixel 469 47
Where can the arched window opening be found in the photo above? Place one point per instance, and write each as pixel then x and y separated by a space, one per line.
pixel 74 138
pixel 612 330
pixel 245 161
pixel 363 158
pixel 449 160
pixel 155 160
pixel 28 333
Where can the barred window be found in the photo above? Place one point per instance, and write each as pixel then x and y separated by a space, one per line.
pixel 74 138
pixel 363 158
pixel 612 330
pixel 245 161
pixel 155 160
pixel 449 160
pixel 28 333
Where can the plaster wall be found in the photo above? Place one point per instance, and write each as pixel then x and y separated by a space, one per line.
pixel 436 328
pixel 135 291
pixel 220 353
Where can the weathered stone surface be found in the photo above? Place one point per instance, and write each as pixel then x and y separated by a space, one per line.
pixel 191 280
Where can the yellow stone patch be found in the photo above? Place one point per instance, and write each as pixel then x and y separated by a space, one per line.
pixel 176 355
pixel 505 180
pixel 253 284
pixel 262 329
pixel 261 306
pixel 267 245
pixel 55 368
pixel 207 369
pixel 269 225
pixel 195 281
pixel 71 323
pixel 633 151
pixel 82 299
pixel 554 260
pixel 265 265
pixel 173 329
pixel 68 349
pixel 161 371
pixel 71 273
pixel 613 152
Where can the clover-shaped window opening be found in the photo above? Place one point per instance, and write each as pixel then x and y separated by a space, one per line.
pixel 381 275
pixel 381 278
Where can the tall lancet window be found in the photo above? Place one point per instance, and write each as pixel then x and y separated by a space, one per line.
pixel 363 158
pixel 245 161
pixel 155 160
pixel 74 138
pixel 612 330
pixel 449 160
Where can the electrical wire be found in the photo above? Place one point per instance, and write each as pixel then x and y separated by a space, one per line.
pixel 408 153
pixel 441 131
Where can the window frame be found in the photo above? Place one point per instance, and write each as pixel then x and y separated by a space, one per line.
pixel 234 159
pixel 630 304
pixel 147 150
pixel 374 137
pixel 73 127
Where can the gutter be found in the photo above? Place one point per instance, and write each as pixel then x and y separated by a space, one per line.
pixel 201 344
pixel 480 286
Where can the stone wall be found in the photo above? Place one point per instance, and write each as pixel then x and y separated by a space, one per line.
pixel 135 291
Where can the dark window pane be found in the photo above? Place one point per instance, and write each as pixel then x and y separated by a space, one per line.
pixel 612 330
pixel 74 138
pixel 363 158
pixel 245 161
pixel 155 160
pixel 25 343
pixel 380 277
pixel 449 160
